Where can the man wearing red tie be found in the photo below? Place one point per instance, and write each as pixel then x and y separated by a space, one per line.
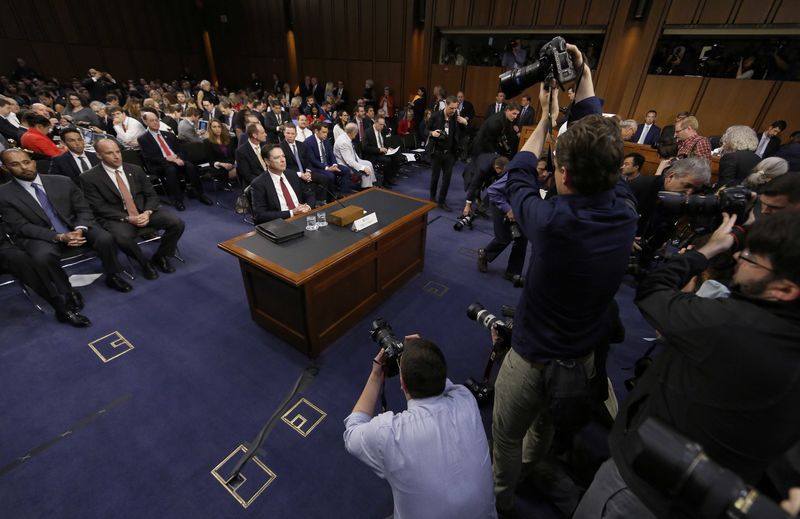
pixel 163 157
pixel 276 195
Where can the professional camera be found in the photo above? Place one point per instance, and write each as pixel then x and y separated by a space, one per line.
pixel 694 484
pixel 482 391
pixel 733 200
pixel 391 345
pixel 554 63
pixel 462 221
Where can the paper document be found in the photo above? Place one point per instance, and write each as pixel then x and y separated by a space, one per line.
pixel 409 157
pixel 392 151
pixel 82 280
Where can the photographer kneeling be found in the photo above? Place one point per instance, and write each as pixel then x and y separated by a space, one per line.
pixel 580 242
pixel 729 378
pixel 435 455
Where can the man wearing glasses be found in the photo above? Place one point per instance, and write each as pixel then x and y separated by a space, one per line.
pixel 691 143
pixel 729 377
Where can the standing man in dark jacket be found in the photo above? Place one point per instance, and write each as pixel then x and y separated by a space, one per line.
pixel 445 127
pixel 580 242
pixel 729 378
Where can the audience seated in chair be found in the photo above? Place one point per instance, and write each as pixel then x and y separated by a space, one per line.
pixel 277 194
pixel 76 160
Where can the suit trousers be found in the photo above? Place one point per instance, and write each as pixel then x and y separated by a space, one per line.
pixel 47 256
pixel 172 173
pixel 608 497
pixel 127 235
pixel 18 263
pixel 441 163
pixel 325 182
pixel 502 237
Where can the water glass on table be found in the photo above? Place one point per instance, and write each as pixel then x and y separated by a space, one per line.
pixel 322 219
pixel 311 222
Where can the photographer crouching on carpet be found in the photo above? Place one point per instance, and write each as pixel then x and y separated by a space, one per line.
pixel 434 455
pixel 580 242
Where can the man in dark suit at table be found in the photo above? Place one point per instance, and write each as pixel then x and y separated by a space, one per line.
pixel 276 194
pixel 320 151
pixel 164 158
pixel 647 133
pixel 249 162
pixel 76 160
pixel 124 201
pixel 48 216
pixel 315 182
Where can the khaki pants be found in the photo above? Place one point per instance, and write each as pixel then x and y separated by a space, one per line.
pixel 521 428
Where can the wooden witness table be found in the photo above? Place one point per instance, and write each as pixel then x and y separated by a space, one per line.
pixel 311 290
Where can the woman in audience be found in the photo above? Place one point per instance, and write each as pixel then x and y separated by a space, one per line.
pixel 294 108
pixel 220 151
pixel 668 153
pixel 206 93
pixel 338 128
pixel 764 171
pixel 739 144
pixel 328 89
pixel 315 115
pixel 422 129
pixel 133 107
pixel 406 125
pixel 236 101
pixel 76 112
pixel 286 93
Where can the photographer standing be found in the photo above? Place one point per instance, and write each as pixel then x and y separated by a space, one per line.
pixel 434 455
pixel 729 378
pixel 580 243
pixel 446 128
pixel 506 230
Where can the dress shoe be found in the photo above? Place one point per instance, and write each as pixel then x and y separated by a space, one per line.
pixel 179 205
pixel 73 318
pixel 149 271
pixel 204 199
pixel 444 207
pixel 515 279
pixel 483 263
pixel 74 301
pixel 117 283
pixel 163 265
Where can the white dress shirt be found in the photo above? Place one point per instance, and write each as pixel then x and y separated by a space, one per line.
pixel 77 159
pixel 644 133
pixel 302 134
pixel 111 172
pixel 762 144
pixel 435 455
pixel 156 136
pixel 276 181
pixel 131 131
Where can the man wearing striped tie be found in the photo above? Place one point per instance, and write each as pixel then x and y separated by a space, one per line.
pixel 124 202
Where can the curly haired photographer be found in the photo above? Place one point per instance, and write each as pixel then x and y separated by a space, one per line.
pixel 580 243
pixel 729 378
pixel 434 455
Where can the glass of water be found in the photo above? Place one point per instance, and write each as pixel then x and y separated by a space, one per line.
pixel 322 219
pixel 311 222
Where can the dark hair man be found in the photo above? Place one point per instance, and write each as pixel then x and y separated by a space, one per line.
pixel 446 128
pixel 780 193
pixel 76 160
pixel 768 140
pixel 583 239
pixel 497 134
pixel 47 215
pixel 791 151
pixel 729 378
pixel 632 166
pixel 647 132
pixel 434 455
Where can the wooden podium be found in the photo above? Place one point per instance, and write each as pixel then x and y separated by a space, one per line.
pixel 311 290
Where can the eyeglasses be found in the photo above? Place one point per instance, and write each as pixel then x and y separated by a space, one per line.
pixel 745 256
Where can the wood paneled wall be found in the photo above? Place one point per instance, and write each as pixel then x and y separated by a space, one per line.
pixel 733 12
pixel 520 13
pixel 64 38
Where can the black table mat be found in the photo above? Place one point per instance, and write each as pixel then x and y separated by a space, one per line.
pixel 303 253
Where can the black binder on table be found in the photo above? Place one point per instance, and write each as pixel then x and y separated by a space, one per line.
pixel 279 231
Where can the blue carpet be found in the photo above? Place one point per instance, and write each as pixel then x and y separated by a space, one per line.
pixel 203 378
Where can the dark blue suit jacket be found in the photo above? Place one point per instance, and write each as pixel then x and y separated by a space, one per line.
pixel 66 166
pixel 317 162
pixel 651 137
pixel 151 151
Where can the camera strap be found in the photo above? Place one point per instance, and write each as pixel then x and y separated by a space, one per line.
pixel 384 405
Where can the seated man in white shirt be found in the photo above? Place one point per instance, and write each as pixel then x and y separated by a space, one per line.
pixel 127 128
pixel 276 195
pixel 346 155
pixel 303 132
pixel 434 455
